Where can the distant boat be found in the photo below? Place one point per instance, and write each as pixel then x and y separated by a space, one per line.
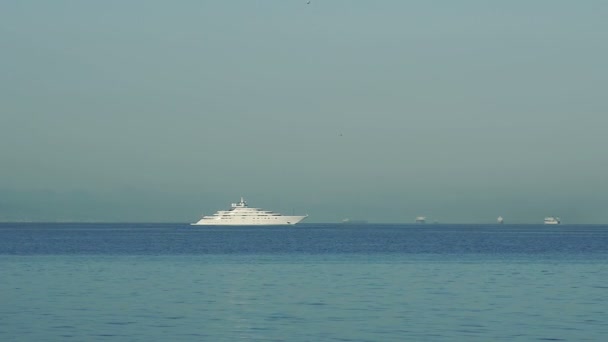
pixel 500 220
pixel 420 219
pixel 240 214
pixel 552 220
pixel 349 221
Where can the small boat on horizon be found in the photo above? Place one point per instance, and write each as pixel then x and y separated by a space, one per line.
pixel 500 220
pixel 349 221
pixel 552 220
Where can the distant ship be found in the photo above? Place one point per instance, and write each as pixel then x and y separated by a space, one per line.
pixel 552 220
pixel 420 219
pixel 500 220
pixel 240 214
pixel 349 221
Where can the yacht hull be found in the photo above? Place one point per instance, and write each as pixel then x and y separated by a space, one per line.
pixel 261 221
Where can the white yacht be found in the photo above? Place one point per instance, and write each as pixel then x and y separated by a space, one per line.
pixel 552 220
pixel 242 215
pixel 500 220
pixel 420 219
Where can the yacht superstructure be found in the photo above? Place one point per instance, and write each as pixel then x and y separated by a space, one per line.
pixel 240 214
pixel 552 220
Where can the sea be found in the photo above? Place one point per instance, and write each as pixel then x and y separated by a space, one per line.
pixel 310 282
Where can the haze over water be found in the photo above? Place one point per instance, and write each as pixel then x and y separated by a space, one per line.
pixel 384 111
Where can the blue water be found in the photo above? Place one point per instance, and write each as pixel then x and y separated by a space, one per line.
pixel 159 282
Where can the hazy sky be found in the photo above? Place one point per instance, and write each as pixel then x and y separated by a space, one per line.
pixel 378 110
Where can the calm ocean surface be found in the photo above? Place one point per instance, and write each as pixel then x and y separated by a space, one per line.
pixel 312 282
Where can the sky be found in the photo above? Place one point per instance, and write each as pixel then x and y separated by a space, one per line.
pixel 161 111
